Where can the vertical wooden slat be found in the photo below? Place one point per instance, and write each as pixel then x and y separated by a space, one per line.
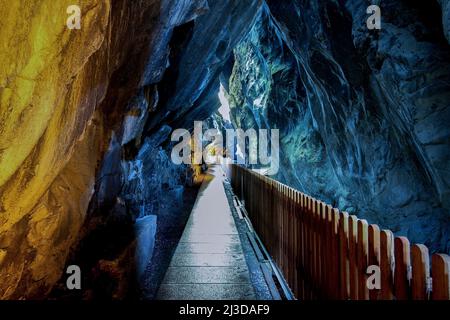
pixel 386 261
pixel 302 246
pixel 295 243
pixel 322 233
pixel 343 256
pixel 441 277
pixel 353 242
pixel 280 235
pixel 285 233
pixel 374 254
pixel 305 244
pixel 299 244
pixel 319 248
pixel 327 253
pixel 278 218
pixel 309 261
pixel 311 245
pixel 314 246
pixel 291 242
pixel 316 249
pixel 420 262
pixel 402 268
pixel 363 293
pixel 288 238
pixel 323 250
pixel 335 253
pixel 330 239
pixel 294 248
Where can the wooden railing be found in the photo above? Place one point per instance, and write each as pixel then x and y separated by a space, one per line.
pixel 327 254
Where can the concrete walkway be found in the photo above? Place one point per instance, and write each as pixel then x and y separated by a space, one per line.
pixel 209 263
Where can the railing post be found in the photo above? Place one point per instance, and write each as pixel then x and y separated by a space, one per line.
pixel 353 261
pixel 343 256
pixel 402 273
pixel 441 277
pixel 374 255
pixel 363 292
pixel 420 272
pixel 386 263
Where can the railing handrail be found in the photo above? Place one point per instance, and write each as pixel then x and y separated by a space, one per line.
pixel 326 253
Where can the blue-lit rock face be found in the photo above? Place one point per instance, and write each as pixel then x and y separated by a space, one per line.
pixel 198 57
pixel 180 85
pixel 145 242
pixel 190 45
pixel 141 199
pixel 363 114
pixel 445 6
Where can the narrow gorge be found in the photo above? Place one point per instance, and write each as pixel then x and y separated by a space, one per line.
pixel 86 118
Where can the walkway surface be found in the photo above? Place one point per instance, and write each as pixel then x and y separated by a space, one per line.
pixel 209 263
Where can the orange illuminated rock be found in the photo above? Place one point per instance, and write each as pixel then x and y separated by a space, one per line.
pixel 62 92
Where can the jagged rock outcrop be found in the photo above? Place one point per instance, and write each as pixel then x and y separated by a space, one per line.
pixel 79 113
pixel 62 95
pixel 363 114
pixel 86 117
pixel 445 7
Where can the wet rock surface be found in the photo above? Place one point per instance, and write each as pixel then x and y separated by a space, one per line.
pixel 76 135
pixel 363 114
pixel 86 118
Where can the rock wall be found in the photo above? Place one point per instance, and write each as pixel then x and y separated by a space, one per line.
pixel 84 120
pixel 47 102
pixel 62 96
pixel 363 114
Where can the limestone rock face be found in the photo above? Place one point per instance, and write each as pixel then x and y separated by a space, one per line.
pixel 62 94
pixel 86 117
pixel 47 102
pixel 363 114
pixel 83 114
